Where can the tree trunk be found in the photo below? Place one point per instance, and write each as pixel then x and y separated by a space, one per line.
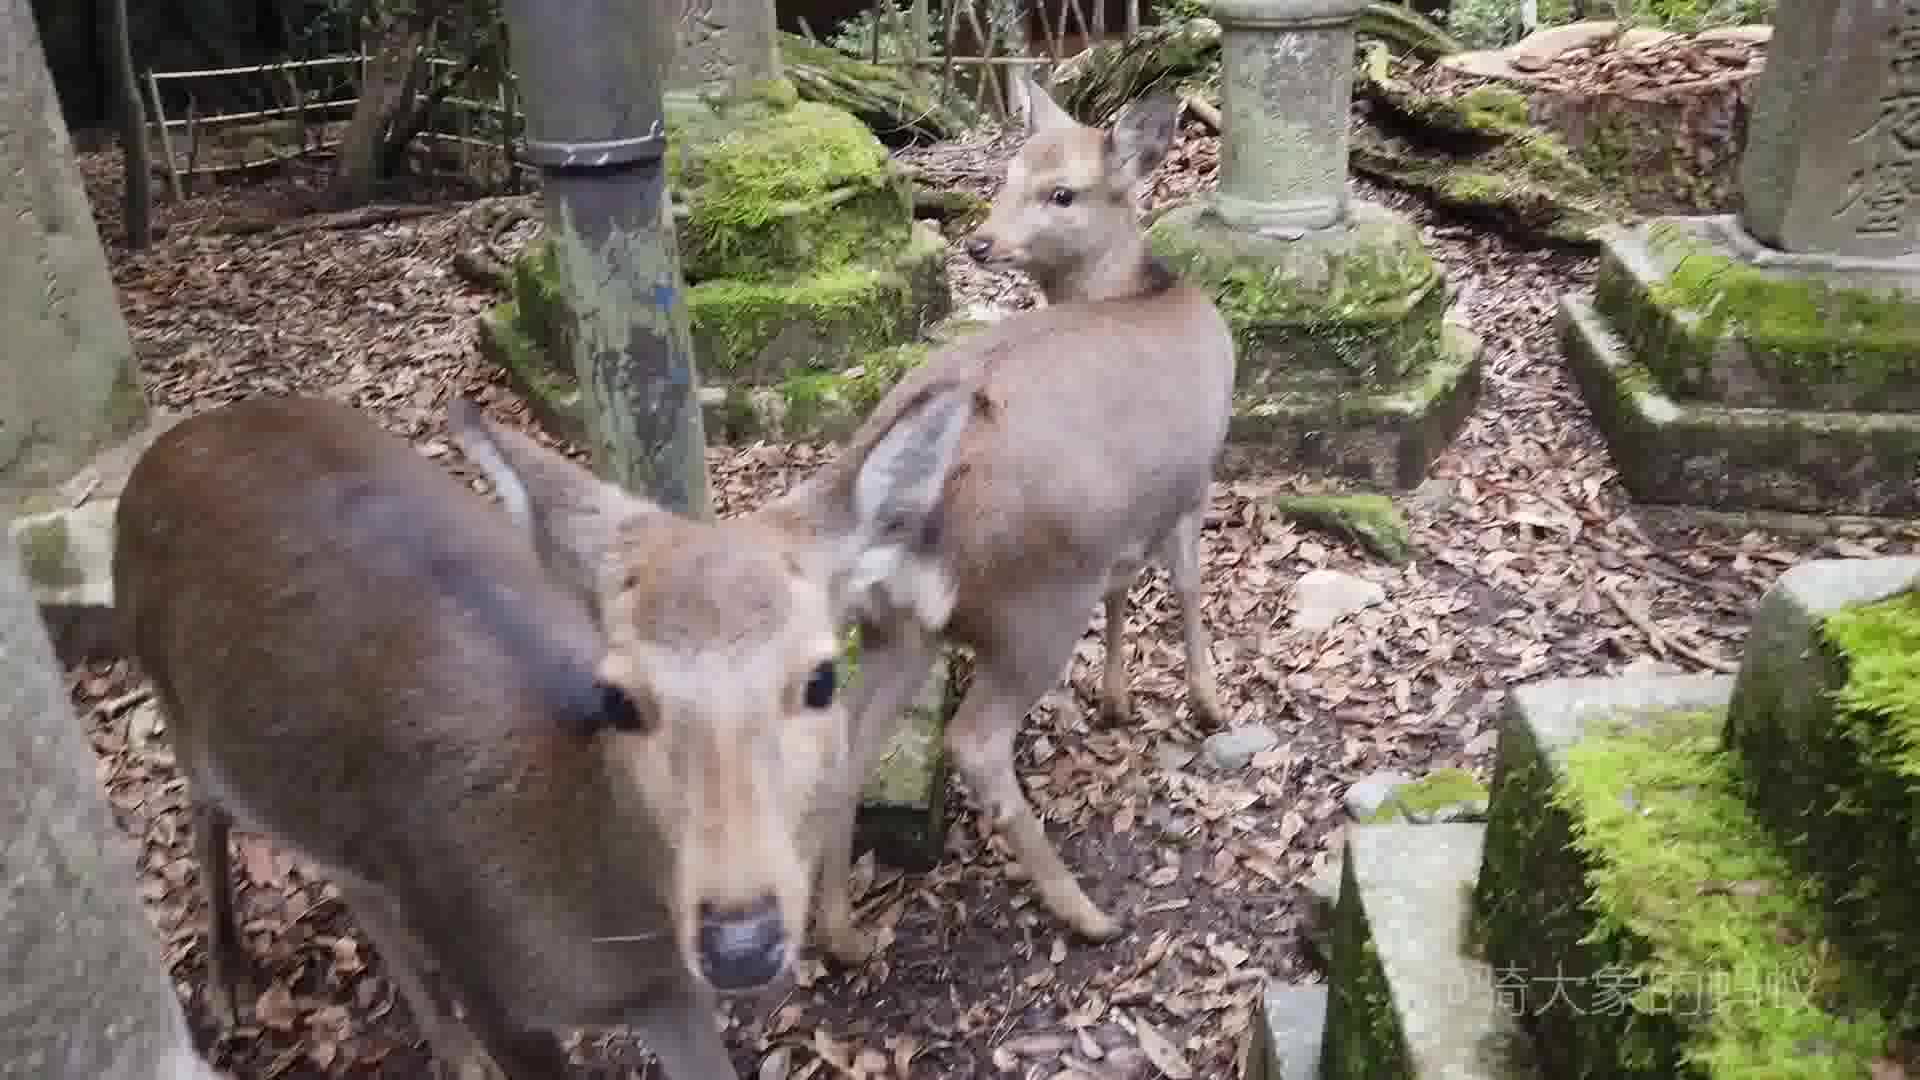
pixel 133 131
pixel 392 46
pixel 85 993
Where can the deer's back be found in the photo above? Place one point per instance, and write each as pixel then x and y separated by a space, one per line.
pixel 366 661
pixel 1096 426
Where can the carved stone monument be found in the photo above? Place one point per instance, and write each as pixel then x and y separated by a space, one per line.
pixel 1346 365
pixel 1771 361
pixel 724 47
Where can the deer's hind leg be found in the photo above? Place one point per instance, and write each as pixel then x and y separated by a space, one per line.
pixel 1027 658
pixel 232 985
pixel 1181 553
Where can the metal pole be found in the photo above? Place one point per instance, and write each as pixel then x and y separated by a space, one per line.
pixel 591 75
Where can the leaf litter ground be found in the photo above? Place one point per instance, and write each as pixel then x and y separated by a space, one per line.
pixel 1529 564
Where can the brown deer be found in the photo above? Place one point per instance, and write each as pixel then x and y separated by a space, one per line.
pixel 558 760
pixel 1099 422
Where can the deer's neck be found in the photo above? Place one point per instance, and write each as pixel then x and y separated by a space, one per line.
pixel 1125 269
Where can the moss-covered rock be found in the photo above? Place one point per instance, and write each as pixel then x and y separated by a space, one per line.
pixel 772 190
pixel 1370 520
pixel 1645 923
pixel 1359 303
pixel 45 553
pixel 1826 718
pixel 1709 325
pixel 1709 455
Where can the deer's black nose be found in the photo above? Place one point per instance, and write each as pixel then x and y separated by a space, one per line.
pixel 742 948
pixel 979 247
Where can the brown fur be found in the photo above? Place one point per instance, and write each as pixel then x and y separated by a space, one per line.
pixel 370 663
pixel 1107 411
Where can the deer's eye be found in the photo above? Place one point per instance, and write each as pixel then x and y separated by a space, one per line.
pixel 1061 196
pixel 820 686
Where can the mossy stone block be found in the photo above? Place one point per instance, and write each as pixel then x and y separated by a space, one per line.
pixel 1384 437
pixel 551 391
pixel 764 329
pixel 1406 998
pixel 1642 922
pixel 1825 717
pixel 902 817
pixel 770 189
pixel 1359 302
pixel 1699 454
pixel 1710 326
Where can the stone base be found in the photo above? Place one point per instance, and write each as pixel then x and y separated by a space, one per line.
pixel 1718 319
pixel 65 541
pixel 1643 922
pixel 902 816
pixel 1357 303
pixel 1406 998
pixel 1796 460
pixel 1830 778
pixel 1380 437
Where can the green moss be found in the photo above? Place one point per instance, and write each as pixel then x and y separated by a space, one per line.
pixel 1881 645
pixel 45 551
pixel 738 325
pixel 774 191
pixel 1675 861
pixel 1419 801
pixel 1654 929
pixel 1370 520
pixel 1494 108
pixel 1360 302
pixel 1809 333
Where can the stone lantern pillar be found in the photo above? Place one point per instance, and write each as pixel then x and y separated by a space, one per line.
pixel 1345 364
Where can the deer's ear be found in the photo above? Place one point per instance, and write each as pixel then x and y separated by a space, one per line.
pixel 1044 113
pixel 1140 139
pixel 895 499
pixel 571 515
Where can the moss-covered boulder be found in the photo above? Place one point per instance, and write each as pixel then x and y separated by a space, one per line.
pixel 775 189
pixel 1406 999
pixel 1709 323
pixel 1644 921
pixel 1442 795
pixel 1826 719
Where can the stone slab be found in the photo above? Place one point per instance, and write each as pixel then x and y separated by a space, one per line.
pixel 1734 459
pixel 902 817
pixel 1715 318
pixel 1287 1037
pixel 1628 897
pixel 1407 1000
pixel 1383 439
pixel 1822 779
pixel 68 558
pixel 1827 165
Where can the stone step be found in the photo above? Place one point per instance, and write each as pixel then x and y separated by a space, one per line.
pixel 1825 718
pixel 1642 920
pixel 1407 1000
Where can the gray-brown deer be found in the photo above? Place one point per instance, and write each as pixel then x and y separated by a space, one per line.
pixel 1093 449
pixel 558 759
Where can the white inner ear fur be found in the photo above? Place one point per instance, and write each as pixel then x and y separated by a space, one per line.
pixel 889 580
pixel 485 453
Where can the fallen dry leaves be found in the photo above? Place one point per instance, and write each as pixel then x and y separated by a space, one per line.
pixel 1530 564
